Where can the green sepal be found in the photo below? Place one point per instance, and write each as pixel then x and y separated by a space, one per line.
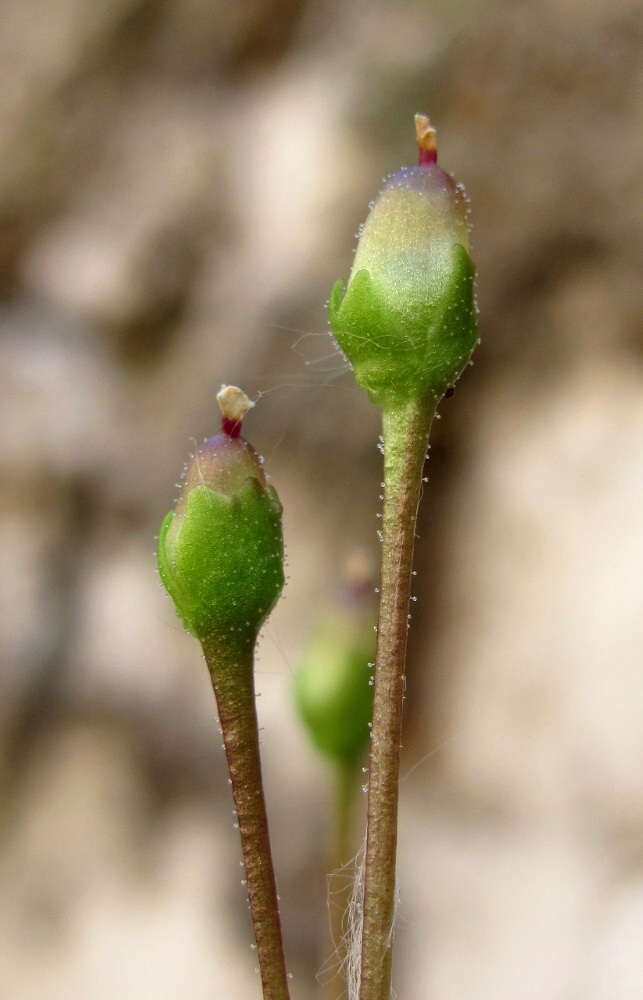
pixel 224 567
pixel 419 346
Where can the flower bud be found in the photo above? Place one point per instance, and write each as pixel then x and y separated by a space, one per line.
pixel 333 685
pixel 220 553
pixel 407 320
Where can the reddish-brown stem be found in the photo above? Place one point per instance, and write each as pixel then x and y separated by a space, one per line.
pixel 231 670
pixel 405 439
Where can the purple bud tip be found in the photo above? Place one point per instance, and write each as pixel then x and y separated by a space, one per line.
pixel 427 149
pixel 234 405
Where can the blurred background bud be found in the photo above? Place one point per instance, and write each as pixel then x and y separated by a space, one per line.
pixel 333 684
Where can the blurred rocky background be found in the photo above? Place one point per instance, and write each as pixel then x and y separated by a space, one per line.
pixel 180 184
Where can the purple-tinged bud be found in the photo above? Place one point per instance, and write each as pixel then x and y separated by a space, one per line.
pixel 220 553
pixel 407 319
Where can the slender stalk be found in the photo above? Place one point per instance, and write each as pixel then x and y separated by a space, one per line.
pixel 405 439
pixel 232 674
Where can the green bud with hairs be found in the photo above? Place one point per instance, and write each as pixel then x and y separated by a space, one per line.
pixel 407 322
pixel 220 557
pixel 220 553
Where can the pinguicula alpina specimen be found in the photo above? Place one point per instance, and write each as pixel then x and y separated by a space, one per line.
pixel 220 556
pixel 407 325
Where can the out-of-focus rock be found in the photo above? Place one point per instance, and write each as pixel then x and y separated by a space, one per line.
pixel 542 675
pixel 94 891
pixel 58 398
pixel 126 252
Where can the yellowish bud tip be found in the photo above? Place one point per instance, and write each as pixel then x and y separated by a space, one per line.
pixel 425 134
pixel 233 403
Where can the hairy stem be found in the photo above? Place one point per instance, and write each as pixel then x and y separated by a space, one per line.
pixel 232 673
pixel 405 439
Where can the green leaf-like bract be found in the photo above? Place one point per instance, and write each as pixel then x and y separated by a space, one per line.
pixel 224 568
pixel 417 345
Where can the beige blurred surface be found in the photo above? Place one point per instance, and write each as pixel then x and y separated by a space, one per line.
pixel 180 184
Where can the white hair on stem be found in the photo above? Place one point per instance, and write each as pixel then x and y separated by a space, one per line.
pixel 354 926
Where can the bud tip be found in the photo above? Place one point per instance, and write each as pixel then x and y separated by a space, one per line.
pixel 425 133
pixel 234 404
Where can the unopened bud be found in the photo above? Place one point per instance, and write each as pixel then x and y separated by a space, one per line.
pixel 407 320
pixel 220 553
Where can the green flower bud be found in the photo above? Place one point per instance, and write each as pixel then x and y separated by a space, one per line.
pixel 407 321
pixel 333 686
pixel 220 553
